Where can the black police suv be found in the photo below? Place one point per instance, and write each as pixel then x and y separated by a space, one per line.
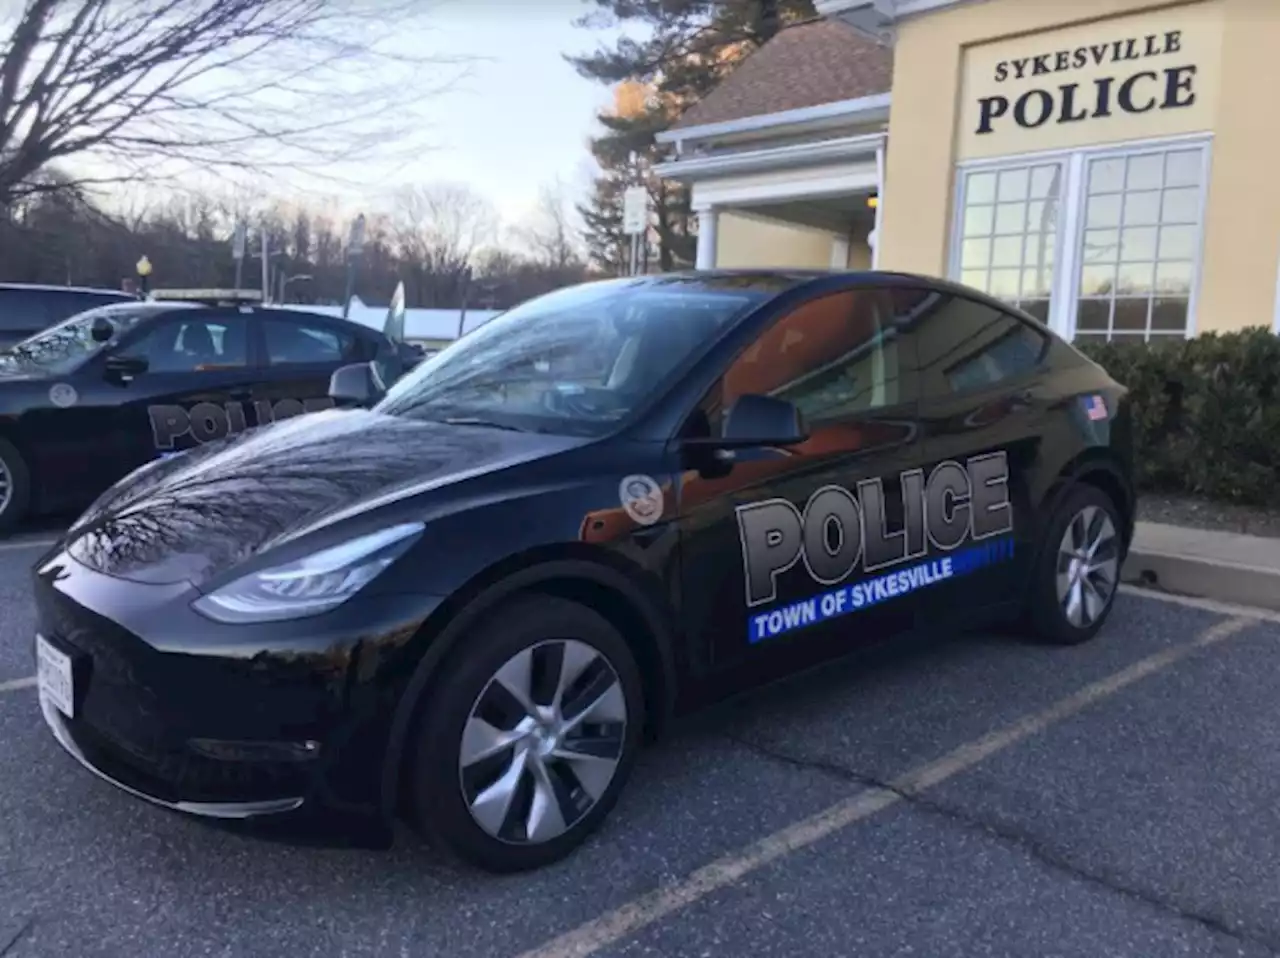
pixel 468 603
pixel 27 308
pixel 92 398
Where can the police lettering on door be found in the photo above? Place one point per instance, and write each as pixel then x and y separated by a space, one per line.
pixel 837 533
pixel 206 421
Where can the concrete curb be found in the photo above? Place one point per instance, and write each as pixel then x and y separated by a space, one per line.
pixel 1203 578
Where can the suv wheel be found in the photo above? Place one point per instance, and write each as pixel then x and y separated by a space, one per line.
pixel 527 736
pixel 15 486
pixel 1079 569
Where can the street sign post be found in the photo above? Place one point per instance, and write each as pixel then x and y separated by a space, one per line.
pixel 355 247
pixel 238 242
pixel 635 221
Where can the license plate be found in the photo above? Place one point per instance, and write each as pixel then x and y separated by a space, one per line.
pixel 53 677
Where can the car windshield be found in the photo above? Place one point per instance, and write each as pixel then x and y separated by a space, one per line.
pixel 67 344
pixel 576 361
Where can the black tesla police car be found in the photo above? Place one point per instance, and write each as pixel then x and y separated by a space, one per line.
pixel 95 396
pixel 468 604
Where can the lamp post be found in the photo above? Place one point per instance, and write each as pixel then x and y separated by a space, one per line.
pixel 144 274
pixel 355 247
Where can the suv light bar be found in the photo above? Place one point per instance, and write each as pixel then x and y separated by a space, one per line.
pixel 210 297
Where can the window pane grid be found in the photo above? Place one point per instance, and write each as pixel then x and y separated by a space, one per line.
pixel 1009 231
pixel 1140 233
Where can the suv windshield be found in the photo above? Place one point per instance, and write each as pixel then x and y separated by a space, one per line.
pixel 576 361
pixel 63 347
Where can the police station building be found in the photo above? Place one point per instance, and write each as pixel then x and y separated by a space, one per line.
pixel 1108 165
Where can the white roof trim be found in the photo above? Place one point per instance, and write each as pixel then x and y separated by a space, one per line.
pixel 895 8
pixel 864 108
pixel 797 154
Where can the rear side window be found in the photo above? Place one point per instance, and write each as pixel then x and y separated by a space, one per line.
pixel 292 342
pixel 963 345
pixel 21 309
pixel 34 309
pixel 60 305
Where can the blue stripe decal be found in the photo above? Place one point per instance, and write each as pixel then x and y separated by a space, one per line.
pixel 891 585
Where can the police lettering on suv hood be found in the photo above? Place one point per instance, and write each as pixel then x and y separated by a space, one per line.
pixel 837 533
pixel 208 422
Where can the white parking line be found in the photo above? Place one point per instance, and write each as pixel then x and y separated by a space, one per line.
pixel 614 926
pixel 14 684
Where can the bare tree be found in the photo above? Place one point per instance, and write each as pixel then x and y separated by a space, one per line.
pixel 126 89
pixel 550 235
pixel 440 227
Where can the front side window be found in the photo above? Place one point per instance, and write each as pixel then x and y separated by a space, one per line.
pixel 1140 245
pixel 576 361
pixel 194 345
pixel 1009 233
pixel 963 345
pixel 833 357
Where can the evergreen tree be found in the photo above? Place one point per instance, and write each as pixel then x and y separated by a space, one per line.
pixel 688 47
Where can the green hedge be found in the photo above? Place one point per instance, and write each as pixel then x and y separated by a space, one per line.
pixel 1207 422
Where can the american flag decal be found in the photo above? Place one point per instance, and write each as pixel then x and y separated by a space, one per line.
pixel 1095 407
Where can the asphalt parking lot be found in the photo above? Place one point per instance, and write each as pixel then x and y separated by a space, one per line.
pixel 973 797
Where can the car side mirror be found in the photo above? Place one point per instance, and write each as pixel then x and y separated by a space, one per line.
pixel 755 420
pixel 125 368
pixel 356 385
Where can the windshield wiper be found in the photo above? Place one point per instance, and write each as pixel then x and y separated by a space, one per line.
pixel 477 421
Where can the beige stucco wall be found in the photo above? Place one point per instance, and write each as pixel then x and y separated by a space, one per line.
pixel 752 241
pixel 1238 76
pixel 748 241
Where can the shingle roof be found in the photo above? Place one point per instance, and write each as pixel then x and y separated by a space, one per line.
pixel 820 61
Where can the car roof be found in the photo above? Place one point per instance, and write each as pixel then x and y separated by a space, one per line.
pixel 53 288
pixel 783 280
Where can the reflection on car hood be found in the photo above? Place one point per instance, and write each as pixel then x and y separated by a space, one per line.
pixel 200 514
pixel 12 368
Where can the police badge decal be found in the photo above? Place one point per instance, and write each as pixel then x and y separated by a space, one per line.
pixel 642 499
pixel 63 395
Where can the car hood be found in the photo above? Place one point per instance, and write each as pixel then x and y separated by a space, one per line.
pixel 199 514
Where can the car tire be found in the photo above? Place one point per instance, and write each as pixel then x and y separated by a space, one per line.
pixel 526 781
pixel 1078 571
pixel 15 486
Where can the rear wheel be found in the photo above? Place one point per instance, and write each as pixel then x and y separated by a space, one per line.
pixel 15 486
pixel 528 736
pixel 1079 569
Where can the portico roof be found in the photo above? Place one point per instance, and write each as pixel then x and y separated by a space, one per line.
pixel 806 65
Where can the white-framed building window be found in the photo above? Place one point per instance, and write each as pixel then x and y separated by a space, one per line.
pixel 1009 232
pixel 1119 234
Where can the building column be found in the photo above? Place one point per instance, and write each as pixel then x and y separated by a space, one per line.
pixel 873 238
pixel 840 251
pixel 707 223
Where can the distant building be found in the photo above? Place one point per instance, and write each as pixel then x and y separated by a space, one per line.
pixel 430 328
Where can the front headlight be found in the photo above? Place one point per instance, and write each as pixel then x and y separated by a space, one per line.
pixel 310 585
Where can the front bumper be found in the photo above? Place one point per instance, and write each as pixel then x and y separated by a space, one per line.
pixel 231 810
pixel 195 716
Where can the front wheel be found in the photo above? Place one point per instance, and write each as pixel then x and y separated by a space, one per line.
pixel 528 736
pixel 15 486
pixel 1079 569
